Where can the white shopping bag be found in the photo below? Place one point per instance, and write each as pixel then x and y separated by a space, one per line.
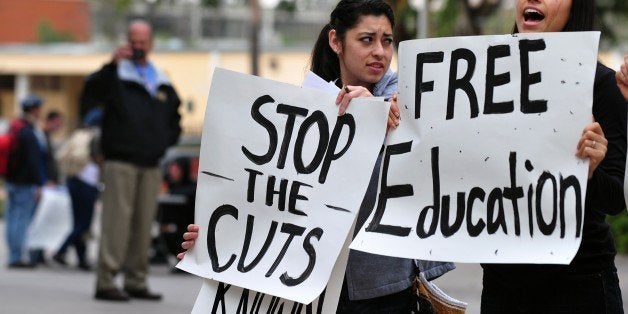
pixel 53 219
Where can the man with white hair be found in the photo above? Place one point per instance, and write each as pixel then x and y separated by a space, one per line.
pixel 140 122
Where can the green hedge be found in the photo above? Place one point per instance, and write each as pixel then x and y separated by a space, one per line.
pixel 619 227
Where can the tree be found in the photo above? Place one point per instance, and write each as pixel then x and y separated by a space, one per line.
pixel 613 18
pixel 476 14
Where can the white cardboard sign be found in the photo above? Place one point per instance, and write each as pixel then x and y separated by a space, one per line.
pixel 215 297
pixel 483 166
pixel 281 180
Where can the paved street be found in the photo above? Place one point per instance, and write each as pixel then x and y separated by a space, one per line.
pixel 57 290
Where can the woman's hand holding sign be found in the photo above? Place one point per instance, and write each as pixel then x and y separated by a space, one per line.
pixel 393 114
pixel 593 145
pixel 348 92
pixel 189 239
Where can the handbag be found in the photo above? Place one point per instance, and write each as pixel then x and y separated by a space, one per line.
pixel 52 221
pixel 432 300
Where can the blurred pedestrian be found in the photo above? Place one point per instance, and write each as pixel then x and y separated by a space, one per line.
pixel 176 215
pixel 140 122
pixel 24 178
pixel 80 160
pixel 52 124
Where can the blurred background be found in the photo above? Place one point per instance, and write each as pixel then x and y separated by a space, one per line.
pixel 49 46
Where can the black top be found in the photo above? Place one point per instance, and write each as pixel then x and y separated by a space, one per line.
pixel 605 194
pixel 137 127
pixel 52 170
pixel 25 160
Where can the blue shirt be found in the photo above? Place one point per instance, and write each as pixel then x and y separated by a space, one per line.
pixel 148 76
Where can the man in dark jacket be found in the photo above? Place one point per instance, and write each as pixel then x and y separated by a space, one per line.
pixel 140 122
pixel 25 175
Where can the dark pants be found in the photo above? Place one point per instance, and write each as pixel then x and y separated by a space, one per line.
pixel 596 293
pixel 400 302
pixel 83 198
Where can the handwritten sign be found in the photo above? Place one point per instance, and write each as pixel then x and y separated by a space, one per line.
pixel 216 297
pixel 483 166
pixel 281 180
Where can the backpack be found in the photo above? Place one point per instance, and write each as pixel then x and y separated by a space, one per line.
pixel 76 152
pixel 8 144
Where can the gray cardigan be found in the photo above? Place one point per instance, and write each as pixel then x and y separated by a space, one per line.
pixel 370 275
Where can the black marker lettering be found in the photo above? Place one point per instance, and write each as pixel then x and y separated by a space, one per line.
pixel 294 196
pixel 292 231
pixel 548 228
pixel 250 191
pixel 493 80
pixel 421 86
pixel 387 192
pixel 463 83
pixel 270 128
pixel 527 78
pixel 270 192
pixel 474 230
pixel 250 221
pixel 323 130
pixel 211 236
pixel 311 253
pixel 291 112
pixel 341 122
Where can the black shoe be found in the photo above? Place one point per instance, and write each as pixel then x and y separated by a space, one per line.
pixel 143 294
pixel 112 294
pixel 37 257
pixel 84 266
pixel 21 265
pixel 60 259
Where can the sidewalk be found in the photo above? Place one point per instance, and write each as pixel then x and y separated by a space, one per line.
pixel 57 290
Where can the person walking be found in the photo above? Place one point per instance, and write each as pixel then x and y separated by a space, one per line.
pixel 24 178
pixel 80 159
pixel 52 124
pixel 140 122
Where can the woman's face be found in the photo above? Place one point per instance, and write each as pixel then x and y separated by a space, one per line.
pixel 542 15
pixel 366 51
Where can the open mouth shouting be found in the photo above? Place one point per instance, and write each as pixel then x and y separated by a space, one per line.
pixel 533 16
pixel 542 15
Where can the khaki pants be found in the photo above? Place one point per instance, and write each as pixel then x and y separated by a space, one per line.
pixel 129 207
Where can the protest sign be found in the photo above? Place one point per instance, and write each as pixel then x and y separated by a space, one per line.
pixel 483 166
pixel 281 179
pixel 215 297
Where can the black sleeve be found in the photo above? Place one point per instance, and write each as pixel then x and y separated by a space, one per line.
pixel 52 170
pixel 175 119
pixel 606 186
pixel 97 89
pixel 30 154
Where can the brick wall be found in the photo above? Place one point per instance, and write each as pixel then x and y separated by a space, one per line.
pixel 21 21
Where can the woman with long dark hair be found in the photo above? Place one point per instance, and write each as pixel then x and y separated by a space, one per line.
pixel 355 50
pixel 589 284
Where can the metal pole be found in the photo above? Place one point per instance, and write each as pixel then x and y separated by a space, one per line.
pixel 422 16
pixel 255 25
